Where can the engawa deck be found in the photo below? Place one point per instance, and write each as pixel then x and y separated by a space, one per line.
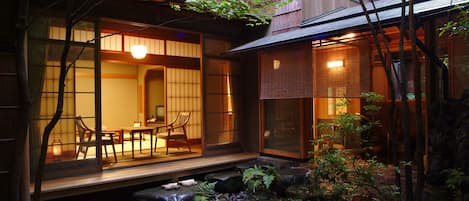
pixel 118 178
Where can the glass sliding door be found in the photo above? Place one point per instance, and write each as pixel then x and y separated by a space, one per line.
pixel 46 42
pixel 282 125
pixel 222 93
pixel 222 98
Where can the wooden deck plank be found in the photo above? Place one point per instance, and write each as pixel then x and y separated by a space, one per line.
pixel 119 178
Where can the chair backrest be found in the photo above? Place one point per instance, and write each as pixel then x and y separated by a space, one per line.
pixel 182 119
pixel 82 130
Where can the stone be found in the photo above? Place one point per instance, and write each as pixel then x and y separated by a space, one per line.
pixel 159 194
pixel 227 181
pixel 293 176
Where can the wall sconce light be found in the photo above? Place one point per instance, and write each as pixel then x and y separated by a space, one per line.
pixel 138 51
pixel 349 35
pixel 57 149
pixel 335 64
pixel 276 64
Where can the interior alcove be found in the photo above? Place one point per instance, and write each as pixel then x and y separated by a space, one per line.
pixel 154 94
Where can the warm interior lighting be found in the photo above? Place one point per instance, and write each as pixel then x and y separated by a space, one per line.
pixel 230 100
pixel 56 149
pixel 138 51
pixel 335 64
pixel 276 64
pixel 349 35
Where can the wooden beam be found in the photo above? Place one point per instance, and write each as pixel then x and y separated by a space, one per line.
pixel 169 61
pixel 150 32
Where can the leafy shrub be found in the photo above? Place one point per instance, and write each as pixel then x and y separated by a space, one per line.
pixel 259 178
pixel 454 180
pixel 205 191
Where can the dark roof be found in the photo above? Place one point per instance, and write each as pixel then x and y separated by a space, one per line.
pixel 354 12
pixel 347 20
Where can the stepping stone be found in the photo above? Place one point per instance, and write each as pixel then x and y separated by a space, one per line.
pixel 227 181
pixel 183 193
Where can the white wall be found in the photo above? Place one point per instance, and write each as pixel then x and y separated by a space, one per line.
pixel 119 94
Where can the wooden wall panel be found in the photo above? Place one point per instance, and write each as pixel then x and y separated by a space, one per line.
pixel 9 93
pixel 459 70
pixel 113 43
pixel 288 17
pixel 182 49
pixel 317 7
pixel 292 78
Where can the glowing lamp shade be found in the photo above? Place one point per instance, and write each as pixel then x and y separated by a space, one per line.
pixel 138 51
pixel 335 64
pixel 57 149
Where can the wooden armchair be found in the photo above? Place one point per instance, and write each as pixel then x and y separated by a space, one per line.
pixel 175 131
pixel 86 139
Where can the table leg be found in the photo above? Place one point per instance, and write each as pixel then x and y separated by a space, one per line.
pixel 122 140
pixel 151 143
pixel 132 139
pixel 141 138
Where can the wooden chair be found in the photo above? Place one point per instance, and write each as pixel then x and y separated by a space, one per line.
pixel 175 131
pixel 86 140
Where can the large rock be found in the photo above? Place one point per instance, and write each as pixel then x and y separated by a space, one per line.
pixel 159 194
pixel 293 176
pixel 227 181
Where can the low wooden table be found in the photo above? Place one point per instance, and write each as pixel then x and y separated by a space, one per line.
pixel 140 130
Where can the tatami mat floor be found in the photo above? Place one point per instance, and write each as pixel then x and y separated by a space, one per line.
pixel 124 159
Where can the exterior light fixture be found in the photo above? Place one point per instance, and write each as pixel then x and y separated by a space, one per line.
pixel 276 64
pixel 138 51
pixel 335 64
pixel 349 35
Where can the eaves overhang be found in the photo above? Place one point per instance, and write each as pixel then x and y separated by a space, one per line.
pixel 387 17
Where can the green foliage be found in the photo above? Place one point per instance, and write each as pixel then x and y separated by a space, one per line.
pixel 364 177
pixel 205 191
pixel 328 181
pixel 350 124
pixel 454 181
pixel 372 97
pixel 371 100
pixel 255 12
pixel 334 178
pixel 259 178
pixel 459 25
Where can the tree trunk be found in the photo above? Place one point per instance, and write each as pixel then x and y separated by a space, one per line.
pixel 418 105
pixel 405 107
pixel 387 69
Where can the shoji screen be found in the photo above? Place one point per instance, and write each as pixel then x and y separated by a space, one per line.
pixel 183 95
